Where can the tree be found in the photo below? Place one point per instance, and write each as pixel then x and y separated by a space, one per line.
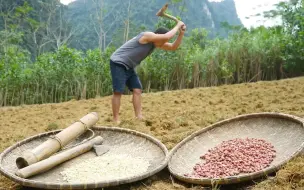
pixel 292 14
pixel 57 27
pixel 98 21
pixel 43 24
pixel 127 23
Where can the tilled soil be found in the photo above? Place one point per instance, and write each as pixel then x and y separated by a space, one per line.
pixel 170 117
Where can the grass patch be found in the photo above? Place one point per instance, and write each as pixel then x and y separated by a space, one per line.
pixel 52 127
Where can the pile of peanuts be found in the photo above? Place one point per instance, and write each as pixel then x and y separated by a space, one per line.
pixel 233 157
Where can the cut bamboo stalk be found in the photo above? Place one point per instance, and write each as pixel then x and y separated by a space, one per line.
pixel 57 142
pixel 57 159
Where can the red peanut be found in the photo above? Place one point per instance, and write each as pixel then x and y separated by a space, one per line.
pixel 234 157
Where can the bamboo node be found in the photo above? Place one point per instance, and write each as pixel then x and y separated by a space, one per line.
pixel 58 140
pixel 85 125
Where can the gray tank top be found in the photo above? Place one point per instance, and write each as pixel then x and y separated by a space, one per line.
pixel 132 52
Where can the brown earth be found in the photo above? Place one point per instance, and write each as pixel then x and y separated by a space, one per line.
pixel 170 117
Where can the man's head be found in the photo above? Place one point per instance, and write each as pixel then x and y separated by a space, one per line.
pixel 161 30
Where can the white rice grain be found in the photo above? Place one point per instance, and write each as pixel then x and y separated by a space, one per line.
pixel 106 167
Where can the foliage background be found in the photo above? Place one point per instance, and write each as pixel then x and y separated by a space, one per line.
pixel 41 59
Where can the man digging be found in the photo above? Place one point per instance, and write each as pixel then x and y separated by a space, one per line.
pixel 124 60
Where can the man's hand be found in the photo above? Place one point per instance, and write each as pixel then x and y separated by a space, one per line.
pixel 180 23
pixel 182 29
pixel 177 42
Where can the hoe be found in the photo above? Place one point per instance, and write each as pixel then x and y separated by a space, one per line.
pixel 162 13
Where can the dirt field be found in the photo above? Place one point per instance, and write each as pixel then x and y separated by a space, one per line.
pixel 170 117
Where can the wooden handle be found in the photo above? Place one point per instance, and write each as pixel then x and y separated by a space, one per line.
pixel 171 17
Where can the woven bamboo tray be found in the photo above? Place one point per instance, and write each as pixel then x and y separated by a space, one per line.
pixel 285 132
pixel 135 143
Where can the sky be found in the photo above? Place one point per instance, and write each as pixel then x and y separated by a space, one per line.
pixel 65 1
pixel 246 8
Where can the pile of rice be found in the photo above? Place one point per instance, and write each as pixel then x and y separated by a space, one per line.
pixel 110 166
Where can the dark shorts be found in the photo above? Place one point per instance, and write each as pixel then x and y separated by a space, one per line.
pixel 121 77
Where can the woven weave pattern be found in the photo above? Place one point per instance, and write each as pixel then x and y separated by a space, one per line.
pixel 285 132
pixel 130 142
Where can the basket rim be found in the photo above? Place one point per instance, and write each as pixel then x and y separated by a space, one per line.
pixel 239 178
pixel 108 183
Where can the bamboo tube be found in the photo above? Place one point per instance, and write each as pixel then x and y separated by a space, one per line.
pixel 55 160
pixel 57 142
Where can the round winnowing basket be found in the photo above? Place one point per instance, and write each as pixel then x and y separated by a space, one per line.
pixel 285 132
pixel 129 141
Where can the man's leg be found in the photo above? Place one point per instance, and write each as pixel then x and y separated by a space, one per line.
pixel 119 77
pixel 115 106
pixel 135 86
pixel 137 103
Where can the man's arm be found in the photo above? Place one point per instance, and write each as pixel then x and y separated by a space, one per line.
pixel 176 43
pixel 152 37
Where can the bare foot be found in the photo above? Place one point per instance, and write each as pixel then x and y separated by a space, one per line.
pixel 140 117
pixel 116 121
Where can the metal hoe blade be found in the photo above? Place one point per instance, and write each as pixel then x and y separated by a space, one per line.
pixel 101 149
